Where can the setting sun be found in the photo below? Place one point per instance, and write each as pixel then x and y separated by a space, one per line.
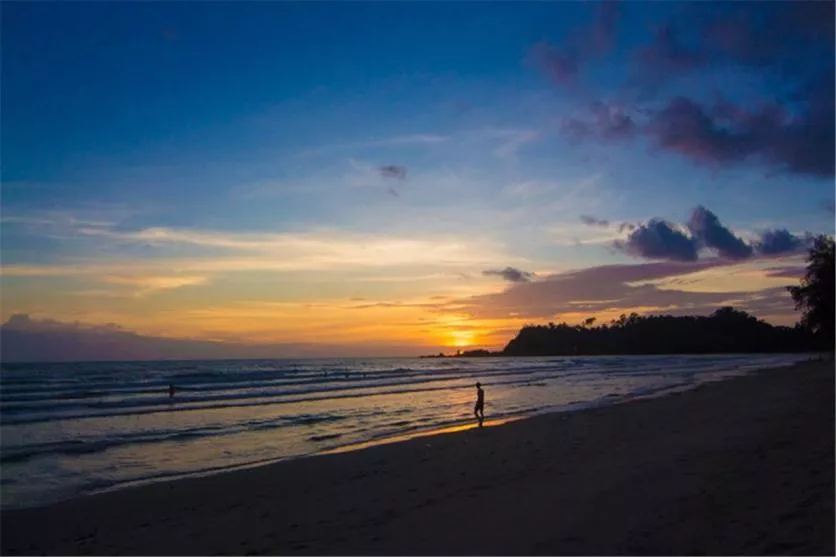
pixel 461 339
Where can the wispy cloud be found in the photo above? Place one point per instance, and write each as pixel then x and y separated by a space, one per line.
pixel 589 220
pixel 393 171
pixel 271 251
pixel 528 188
pixel 511 274
pixel 274 188
pixel 512 141
pixel 427 139
pixel 143 285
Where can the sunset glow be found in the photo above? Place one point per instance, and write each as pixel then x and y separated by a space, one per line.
pixel 166 177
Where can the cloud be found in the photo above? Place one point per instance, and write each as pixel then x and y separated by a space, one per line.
pixel 780 241
pixel 788 125
pixel 394 141
pixel 786 272
pixel 614 289
pixel 765 35
pixel 393 171
pixel 787 38
pixel 529 188
pixel 592 221
pixel 514 141
pixel 249 251
pixel 706 229
pixel 607 122
pixel 605 26
pixel 658 239
pixel 829 205
pixel 150 284
pixel 802 144
pixel 685 127
pixel 510 274
pixel 563 64
pixel 26 339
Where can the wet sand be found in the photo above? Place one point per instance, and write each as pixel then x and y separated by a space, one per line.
pixel 744 466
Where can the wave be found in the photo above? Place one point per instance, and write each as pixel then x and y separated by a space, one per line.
pixel 297 415
pixel 42 412
pixel 317 438
pixel 126 397
pixel 144 396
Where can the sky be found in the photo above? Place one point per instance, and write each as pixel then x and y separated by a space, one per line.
pixel 397 178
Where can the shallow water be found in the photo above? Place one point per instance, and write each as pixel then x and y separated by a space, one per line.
pixel 74 429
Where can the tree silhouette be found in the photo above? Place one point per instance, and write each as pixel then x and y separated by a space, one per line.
pixel 727 330
pixel 815 295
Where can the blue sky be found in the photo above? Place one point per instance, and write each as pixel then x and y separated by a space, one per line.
pixel 164 160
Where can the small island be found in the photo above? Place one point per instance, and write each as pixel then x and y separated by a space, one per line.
pixel 477 353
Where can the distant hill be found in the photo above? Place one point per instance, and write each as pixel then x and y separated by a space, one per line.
pixel 727 330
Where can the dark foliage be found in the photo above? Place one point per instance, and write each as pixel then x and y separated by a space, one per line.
pixel 815 295
pixel 727 330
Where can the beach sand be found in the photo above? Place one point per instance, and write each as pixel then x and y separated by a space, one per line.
pixel 744 466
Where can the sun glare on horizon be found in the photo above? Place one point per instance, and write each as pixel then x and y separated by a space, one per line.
pixel 461 339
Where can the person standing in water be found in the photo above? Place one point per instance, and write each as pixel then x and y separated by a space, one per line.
pixel 479 409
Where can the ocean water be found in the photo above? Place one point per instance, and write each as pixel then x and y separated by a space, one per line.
pixel 72 429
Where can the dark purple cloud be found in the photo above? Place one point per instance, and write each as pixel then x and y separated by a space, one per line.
pixel 829 205
pixel 393 171
pixel 658 240
pixel 801 143
pixel 765 35
pixel 797 139
pixel 789 127
pixel 613 288
pixel 706 229
pixel 510 274
pixel 592 221
pixel 685 127
pixel 563 64
pixel 780 241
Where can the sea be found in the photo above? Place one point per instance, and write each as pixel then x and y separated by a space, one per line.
pixel 73 429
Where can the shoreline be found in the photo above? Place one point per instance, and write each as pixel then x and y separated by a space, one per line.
pixel 443 476
pixel 443 428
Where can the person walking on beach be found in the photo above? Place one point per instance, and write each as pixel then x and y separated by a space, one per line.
pixel 479 409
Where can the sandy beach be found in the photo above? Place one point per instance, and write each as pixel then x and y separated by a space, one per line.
pixel 744 466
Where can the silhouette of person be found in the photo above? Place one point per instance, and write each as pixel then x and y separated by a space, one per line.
pixel 479 409
pixel 171 390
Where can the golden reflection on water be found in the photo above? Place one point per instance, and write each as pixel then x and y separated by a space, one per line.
pixel 423 433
